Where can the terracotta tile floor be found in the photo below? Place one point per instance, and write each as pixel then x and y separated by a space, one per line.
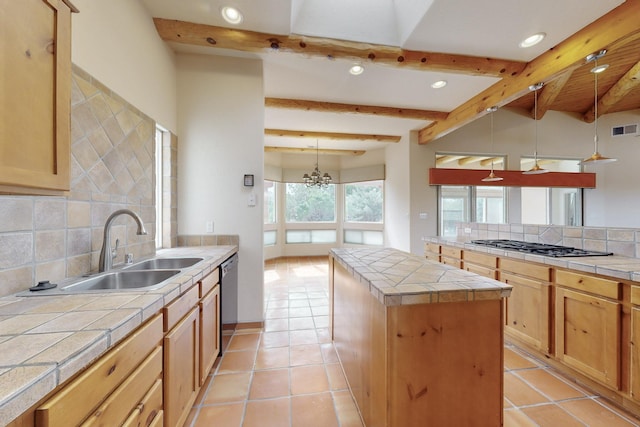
pixel 288 374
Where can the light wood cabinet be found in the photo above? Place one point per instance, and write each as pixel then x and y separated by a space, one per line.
pixel 112 387
pixel 35 82
pixel 481 264
pixel 181 357
pixel 527 309
pixel 588 335
pixel 209 331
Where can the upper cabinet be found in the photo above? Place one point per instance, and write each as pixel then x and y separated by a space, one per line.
pixel 35 93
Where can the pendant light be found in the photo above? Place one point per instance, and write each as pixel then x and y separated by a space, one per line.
pixel 317 179
pixel 596 157
pixel 536 169
pixel 492 176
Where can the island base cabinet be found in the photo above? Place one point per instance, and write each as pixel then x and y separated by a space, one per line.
pixel 588 335
pixel 420 364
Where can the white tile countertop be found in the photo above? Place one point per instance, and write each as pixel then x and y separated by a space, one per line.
pixel 397 278
pixel 47 338
pixel 620 267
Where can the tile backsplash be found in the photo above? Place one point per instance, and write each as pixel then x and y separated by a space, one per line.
pixel 112 167
pixel 620 241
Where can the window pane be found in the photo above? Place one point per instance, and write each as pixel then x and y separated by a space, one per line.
pixel 323 236
pixel 269 202
pixel 454 208
pixel 310 236
pixel 490 206
pixel 364 202
pixel 314 204
pixel 364 237
pixel 298 236
pixel 270 237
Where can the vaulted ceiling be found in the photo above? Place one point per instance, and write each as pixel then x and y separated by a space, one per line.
pixel 307 47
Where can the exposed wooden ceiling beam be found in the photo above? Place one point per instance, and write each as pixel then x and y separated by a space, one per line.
pixel 466 160
pixel 626 84
pixel 270 149
pixel 447 159
pixel 618 24
pixel 333 107
pixel 331 135
pixel 549 93
pixel 490 160
pixel 251 41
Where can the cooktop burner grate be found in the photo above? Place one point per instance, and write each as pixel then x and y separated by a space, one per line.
pixel 539 248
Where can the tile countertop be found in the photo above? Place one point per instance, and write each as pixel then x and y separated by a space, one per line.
pixel 616 266
pixel 399 278
pixel 45 339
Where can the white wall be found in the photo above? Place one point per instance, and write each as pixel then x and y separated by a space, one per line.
pixel 116 42
pixel 221 132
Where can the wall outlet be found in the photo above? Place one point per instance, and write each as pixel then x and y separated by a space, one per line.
pixel 423 215
pixel 209 226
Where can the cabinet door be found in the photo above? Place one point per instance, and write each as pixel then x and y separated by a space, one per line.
pixel 35 83
pixel 209 332
pixel 588 335
pixel 635 353
pixel 181 370
pixel 527 311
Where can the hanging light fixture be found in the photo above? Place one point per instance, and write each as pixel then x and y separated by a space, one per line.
pixel 596 157
pixel 492 176
pixel 317 179
pixel 536 169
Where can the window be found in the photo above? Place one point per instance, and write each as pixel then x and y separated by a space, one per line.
pixel 305 204
pixel 470 204
pixel 269 202
pixel 310 236
pixel 363 202
pixel 557 206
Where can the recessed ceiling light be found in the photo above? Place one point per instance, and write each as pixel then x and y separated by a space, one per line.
pixel 439 84
pixel 231 15
pixel 356 69
pixel 532 40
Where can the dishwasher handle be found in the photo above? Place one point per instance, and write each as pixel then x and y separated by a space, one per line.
pixel 229 264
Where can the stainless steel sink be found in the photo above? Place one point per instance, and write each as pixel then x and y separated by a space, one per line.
pixel 165 263
pixel 123 280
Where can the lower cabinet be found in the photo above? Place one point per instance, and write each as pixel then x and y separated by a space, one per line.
pixel 635 344
pixel 588 335
pixel 209 331
pixel 113 388
pixel 181 357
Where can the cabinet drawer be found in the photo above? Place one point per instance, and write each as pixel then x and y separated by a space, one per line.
pixel 482 271
pixel 635 295
pixel 208 282
pixel 149 408
pixel 433 248
pixel 596 285
pixel 480 259
pixel 129 394
pixel 74 402
pixel 158 420
pixel 451 251
pixel 524 268
pixel 180 307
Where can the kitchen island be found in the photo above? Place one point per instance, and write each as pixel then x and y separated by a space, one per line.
pixel 420 343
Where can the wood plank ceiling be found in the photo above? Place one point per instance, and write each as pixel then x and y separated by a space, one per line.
pixel 568 82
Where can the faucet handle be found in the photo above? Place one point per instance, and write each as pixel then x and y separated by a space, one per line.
pixel 114 252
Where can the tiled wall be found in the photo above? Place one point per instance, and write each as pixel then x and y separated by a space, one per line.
pixel 620 241
pixel 209 240
pixel 170 191
pixel 112 157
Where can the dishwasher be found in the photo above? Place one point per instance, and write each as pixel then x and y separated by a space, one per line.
pixel 229 291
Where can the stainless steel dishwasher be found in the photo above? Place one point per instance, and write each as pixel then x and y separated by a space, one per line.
pixel 229 290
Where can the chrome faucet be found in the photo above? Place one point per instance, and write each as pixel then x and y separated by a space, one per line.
pixel 106 255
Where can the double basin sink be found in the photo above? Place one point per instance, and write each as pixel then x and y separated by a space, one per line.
pixel 145 275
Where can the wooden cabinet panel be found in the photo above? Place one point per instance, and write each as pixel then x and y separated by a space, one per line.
pixel 588 335
pixel 79 399
pixel 209 332
pixel 451 252
pixel 129 394
pixel 451 261
pixel 35 82
pixel 480 259
pixel 208 282
pixel 178 308
pixel 181 370
pixel 148 410
pixel 482 271
pixel 584 282
pixel 525 268
pixel 527 311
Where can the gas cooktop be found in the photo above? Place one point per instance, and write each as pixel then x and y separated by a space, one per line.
pixel 539 248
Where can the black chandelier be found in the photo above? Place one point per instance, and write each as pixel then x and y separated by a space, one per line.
pixel 317 179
